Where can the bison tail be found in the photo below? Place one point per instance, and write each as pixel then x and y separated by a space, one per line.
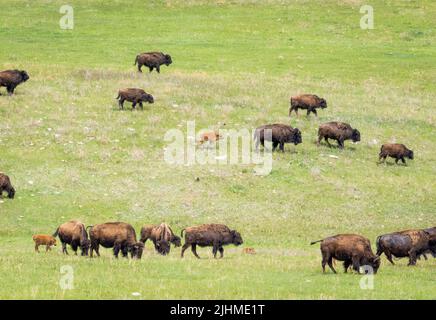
pixel 181 232
pixel 313 242
pixel 55 234
pixel 136 60
pixel 377 244
pixel 118 95
pixel 88 227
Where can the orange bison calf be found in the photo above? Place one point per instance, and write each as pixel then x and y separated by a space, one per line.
pixel 6 186
pixel 210 235
pixel 43 240
pixel 353 249
pixel 395 150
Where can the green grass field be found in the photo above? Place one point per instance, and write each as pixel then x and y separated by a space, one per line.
pixel 71 154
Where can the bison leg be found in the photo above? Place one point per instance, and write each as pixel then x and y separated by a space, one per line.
pixel 215 250
pixel 185 246
pixel 328 142
pixel 150 68
pixel 133 105
pixel 319 140
pixel 140 104
pixel 403 160
pixel 347 264
pixel 396 160
pixel 282 146
pixel 412 258
pixel 158 69
pixel 314 111
pixel 341 143
pixel 10 89
pixel 64 248
pixel 117 248
pixel 125 252
pixel 194 250
pixel 330 263
pixel 389 256
pixel 275 144
pixel 36 247
pixel 308 112
pixel 221 250
pixel 47 247
pixel 121 103
pixel 139 67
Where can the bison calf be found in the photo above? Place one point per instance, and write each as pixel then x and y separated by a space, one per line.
pixel 161 235
pixel 278 134
pixel 338 131
pixel 117 235
pixel 395 150
pixel 353 249
pixel 6 186
pixel 73 233
pixel 12 78
pixel 210 235
pixel 43 240
pixel 135 96
pixel 309 102
pixel 408 243
pixel 152 60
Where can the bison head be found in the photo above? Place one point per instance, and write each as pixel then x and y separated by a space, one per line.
pixel 297 136
pixel 176 241
pixel 375 263
pixel 355 135
pixel 236 238
pixel 323 103
pixel 147 97
pixel 163 247
pixel 84 246
pixel 137 249
pixel 168 60
pixel 11 193
pixel 410 154
pixel 24 76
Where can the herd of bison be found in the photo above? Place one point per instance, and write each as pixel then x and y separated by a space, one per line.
pixel 354 250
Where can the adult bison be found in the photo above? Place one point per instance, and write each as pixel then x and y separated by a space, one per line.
pixel 118 235
pixel 309 102
pixel 278 134
pixel 6 186
pixel 134 95
pixel 338 131
pixel 12 78
pixel 408 243
pixel 210 235
pixel 161 235
pixel 353 249
pixel 152 60
pixel 395 150
pixel 73 233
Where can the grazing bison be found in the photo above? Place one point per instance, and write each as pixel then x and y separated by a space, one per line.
pixel 353 249
pixel 280 134
pixel 43 240
pixel 12 78
pixel 118 235
pixel 6 186
pixel 152 60
pixel 309 102
pixel 408 243
pixel 73 233
pixel 161 235
pixel 338 131
pixel 134 96
pixel 207 235
pixel 395 150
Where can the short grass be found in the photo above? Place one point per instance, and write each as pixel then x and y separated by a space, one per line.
pixel 71 154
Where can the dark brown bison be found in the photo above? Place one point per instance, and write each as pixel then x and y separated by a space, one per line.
pixel 152 60
pixel 12 78
pixel 135 96
pixel 73 233
pixel 353 249
pixel 408 243
pixel 43 240
pixel 395 150
pixel 6 186
pixel 309 102
pixel 210 235
pixel 279 134
pixel 161 235
pixel 338 131
pixel 118 235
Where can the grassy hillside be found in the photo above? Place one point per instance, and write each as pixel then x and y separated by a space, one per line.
pixel 72 154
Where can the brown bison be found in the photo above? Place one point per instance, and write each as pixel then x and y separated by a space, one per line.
pixel 118 235
pixel 279 134
pixel 161 235
pixel 395 150
pixel 135 96
pixel 43 240
pixel 73 233
pixel 6 186
pixel 353 249
pixel 12 78
pixel 309 102
pixel 408 243
pixel 152 60
pixel 210 235
pixel 338 131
